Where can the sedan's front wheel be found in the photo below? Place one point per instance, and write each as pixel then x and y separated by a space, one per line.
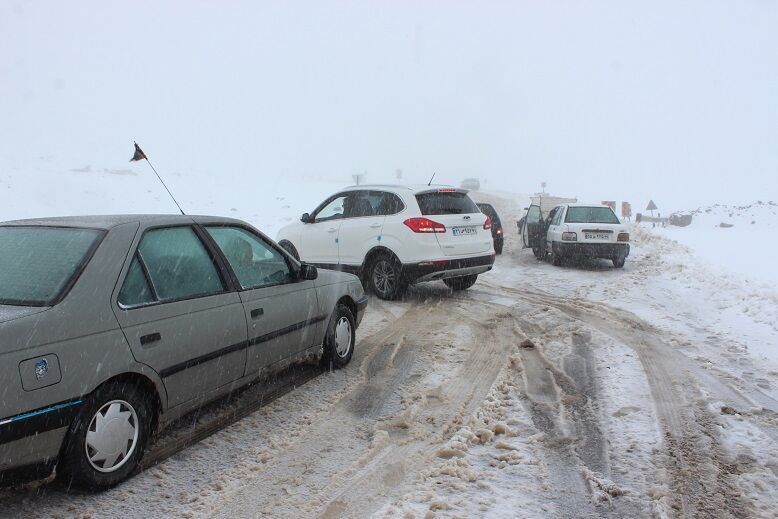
pixel 340 338
pixel 108 438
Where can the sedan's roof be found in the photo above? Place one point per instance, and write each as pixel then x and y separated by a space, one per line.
pixel 113 220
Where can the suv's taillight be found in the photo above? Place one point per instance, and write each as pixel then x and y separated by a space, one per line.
pixel 623 236
pixel 423 225
pixel 488 223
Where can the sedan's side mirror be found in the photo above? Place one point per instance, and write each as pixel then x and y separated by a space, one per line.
pixel 308 272
pixel 306 218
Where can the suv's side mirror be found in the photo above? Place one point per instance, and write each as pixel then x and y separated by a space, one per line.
pixel 308 272
pixel 306 218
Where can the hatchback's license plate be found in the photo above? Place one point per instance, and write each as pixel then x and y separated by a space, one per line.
pixel 597 236
pixel 459 231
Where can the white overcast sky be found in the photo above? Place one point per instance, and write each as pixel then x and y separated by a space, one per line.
pixel 675 101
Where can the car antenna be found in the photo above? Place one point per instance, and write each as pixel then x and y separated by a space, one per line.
pixel 433 176
pixel 140 155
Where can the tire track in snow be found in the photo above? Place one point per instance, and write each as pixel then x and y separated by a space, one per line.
pixel 700 478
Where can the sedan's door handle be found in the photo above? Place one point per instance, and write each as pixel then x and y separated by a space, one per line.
pixel 334 229
pixel 257 312
pixel 375 226
pixel 149 338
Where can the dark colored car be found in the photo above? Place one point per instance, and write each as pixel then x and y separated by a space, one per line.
pixel 497 233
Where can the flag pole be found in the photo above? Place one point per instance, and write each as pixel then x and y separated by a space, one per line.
pixel 163 185
pixel 139 154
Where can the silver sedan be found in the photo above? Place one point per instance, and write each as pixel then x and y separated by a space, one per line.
pixel 113 326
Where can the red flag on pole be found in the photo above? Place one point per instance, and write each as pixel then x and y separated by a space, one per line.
pixel 139 155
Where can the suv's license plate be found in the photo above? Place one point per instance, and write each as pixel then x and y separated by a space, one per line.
pixel 596 236
pixel 459 231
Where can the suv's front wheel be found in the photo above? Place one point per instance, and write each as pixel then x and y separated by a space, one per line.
pixel 385 277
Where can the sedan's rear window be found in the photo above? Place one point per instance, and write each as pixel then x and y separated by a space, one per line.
pixel 446 203
pixel 38 264
pixel 590 215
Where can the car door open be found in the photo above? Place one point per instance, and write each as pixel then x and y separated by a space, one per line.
pixel 280 307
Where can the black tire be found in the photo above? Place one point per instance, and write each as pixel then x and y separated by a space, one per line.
pixel 288 247
pixel 539 253
pixel 337 355
pixel 75 468
pixel 498 248
pixel 618 261
pixel 385 277
pixel 461 283
pixel 556 259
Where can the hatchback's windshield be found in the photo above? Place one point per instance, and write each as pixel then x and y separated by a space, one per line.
pixel 446 203
pixel 37 263
pixel 590 215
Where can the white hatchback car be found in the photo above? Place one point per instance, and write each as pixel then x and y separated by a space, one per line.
pixel 586 230
pixel 392 236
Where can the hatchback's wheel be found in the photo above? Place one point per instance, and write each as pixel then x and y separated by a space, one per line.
pixel 539 253
pixel 340 338
pixel 108 438
pixel 462 282
pixel 618 261
pixel 386 277
pixel 556 259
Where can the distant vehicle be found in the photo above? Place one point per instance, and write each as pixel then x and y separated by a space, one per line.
pixel 582 230
pixel 393 236
pixel 497 231
pixel 113 326
pixel 471 184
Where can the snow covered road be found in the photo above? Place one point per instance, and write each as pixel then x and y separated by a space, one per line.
pixel 582 391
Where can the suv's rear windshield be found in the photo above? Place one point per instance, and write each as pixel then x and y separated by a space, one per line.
pixel 446 203
pixel 590 215
pixel 37 264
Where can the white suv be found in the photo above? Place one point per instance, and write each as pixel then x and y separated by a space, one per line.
pixel 392 236
pixel 586 230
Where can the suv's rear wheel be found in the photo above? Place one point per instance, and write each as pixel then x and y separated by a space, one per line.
pixel 618 261
pixel 108 438
pixel 386 277
pixel 462 282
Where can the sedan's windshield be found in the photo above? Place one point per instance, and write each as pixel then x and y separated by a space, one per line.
pixel 590 215
pixel 37 264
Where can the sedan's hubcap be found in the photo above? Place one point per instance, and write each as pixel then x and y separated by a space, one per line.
pixel 384 277
pixel 343 337
pixel 112 436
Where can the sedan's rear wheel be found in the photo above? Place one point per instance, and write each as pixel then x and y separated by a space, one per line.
pixel 340 338
pixel 618 261
pixel 108 438
pixel 462 282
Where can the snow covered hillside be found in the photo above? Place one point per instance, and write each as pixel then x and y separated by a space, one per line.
pixel 58 187
pixel 736 240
